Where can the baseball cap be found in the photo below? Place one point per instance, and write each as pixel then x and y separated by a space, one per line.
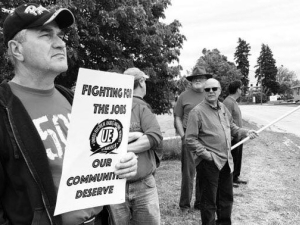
pixel 137 73
pixel 31 15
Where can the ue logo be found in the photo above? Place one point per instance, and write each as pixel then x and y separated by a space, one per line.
pixel 106 136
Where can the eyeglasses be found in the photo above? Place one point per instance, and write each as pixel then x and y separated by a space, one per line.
pixel 208 89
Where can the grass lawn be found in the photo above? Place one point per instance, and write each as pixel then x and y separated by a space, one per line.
pixel 168 179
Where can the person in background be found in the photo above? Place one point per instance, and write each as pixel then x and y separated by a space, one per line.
pixel 235 91
pixel 186 102
pixel 34 121
pixel 173 109
pixel 208 136
pixel 141 203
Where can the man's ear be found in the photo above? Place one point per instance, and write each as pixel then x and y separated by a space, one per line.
pixel 15 50
pixel 140 81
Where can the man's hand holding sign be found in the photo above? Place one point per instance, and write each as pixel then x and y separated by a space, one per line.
pixel 96 159
pixel 127 166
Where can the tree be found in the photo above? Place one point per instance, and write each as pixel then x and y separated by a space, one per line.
pixel 115 35
pixel 217 64
pixel 286 79
pixel 296 83
pixel 182 84
pixel 241 58
pixel 266 71
pixel 285 75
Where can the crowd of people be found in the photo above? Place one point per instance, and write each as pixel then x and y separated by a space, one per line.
pixel 29 176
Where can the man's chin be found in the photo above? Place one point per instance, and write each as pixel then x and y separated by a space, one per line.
pixel 198 89
pixel 211 100
pixel 61 67
pixel 59 70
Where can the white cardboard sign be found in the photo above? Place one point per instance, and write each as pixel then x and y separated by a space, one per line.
pixel 97 138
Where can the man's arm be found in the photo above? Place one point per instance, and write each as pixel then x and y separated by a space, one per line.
pixel 132 136
pixel 179 126
pixel 140 145
pixel 178 115
pixel 152 135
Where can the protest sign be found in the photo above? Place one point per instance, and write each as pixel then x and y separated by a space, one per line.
pixel 97 138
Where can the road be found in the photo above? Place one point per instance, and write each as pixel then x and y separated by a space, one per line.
pixel 262 115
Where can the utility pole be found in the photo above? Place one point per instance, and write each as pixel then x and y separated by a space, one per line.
pixel 261 79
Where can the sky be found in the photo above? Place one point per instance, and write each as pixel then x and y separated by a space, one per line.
pixel 219 24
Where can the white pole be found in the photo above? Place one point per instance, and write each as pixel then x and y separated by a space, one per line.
pixel 261 129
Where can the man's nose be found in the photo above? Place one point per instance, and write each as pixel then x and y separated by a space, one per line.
pixel 59 43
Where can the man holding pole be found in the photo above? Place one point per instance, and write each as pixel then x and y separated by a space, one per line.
pixel 231 104
pixel 208 135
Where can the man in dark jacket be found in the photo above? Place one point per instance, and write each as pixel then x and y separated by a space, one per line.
pixel 34 121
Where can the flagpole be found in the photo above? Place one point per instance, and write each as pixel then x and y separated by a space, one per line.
pixel 261 129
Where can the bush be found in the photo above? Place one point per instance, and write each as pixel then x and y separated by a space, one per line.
pixel 247 99
pixel 258 96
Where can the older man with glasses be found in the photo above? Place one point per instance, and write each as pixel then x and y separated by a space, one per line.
pixel 208 135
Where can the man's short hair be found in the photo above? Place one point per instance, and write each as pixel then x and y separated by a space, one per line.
pixel 233 86
pixel 137 74
pixel 19 37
